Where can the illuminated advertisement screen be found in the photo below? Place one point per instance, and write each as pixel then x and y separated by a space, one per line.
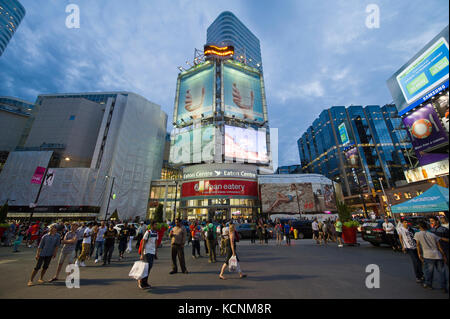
pixel 196 95
pixel 423 76
pixel 220 188
pixel 425 129
pixel 192 145
pixel 343 133
pixel 242 94
pixel 246 144
pixel 426 72
pixel 296 198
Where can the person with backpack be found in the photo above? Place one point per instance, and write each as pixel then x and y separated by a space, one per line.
pixel 147 252
pixel 211 233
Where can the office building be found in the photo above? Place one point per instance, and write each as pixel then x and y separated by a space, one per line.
pixel 11 14
pixel 14 115
pixel 94 144
pixel 221 136
pixel 227 29
pixel 358 147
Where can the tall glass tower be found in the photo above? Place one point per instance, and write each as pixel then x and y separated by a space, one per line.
pixel 227 29
pixel 11 14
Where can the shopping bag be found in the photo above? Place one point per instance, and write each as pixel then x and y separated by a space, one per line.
pixel 139 270
pixel 284 238
pixel 233 265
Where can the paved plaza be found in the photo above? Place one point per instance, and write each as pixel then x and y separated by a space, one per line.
pixel 304 270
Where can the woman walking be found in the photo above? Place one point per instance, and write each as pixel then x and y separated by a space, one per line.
pixel 231 252
pixel 279 233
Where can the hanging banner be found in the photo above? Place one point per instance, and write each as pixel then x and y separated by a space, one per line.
pixel 38 175
pixel 49 177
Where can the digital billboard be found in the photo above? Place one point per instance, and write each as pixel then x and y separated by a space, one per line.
pixel 193 145
pixel 196 95
pixel 242 93
pixel 297 198
pixel 343 134
pixel 441 106
pixel 423 76
pixel 425 72
pixel 246 144
pixel 425 129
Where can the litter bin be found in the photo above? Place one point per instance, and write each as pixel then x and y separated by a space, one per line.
pixel 295 233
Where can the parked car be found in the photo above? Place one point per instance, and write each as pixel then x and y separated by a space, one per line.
pixel 245 230
pixel 304 228
pixel 373 232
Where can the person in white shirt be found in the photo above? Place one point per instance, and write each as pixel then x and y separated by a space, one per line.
pixel 99 241
pixel 86 246
pixel 409 246
pixel 389 229
pixel 315 229
pixel 148 252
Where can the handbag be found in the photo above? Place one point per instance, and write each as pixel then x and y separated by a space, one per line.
pixel 233 265
pixel 139 270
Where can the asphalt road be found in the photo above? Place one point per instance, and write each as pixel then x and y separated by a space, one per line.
pixel 303 270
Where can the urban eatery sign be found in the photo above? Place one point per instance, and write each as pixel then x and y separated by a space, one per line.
pixel 219 188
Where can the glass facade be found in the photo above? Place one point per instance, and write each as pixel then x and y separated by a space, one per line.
pixel 11 14
pixel 227 29
pixel 357 147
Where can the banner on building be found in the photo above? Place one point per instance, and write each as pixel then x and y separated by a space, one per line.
pixel 38 175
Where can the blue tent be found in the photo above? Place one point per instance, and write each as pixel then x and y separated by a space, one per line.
pixel 433 200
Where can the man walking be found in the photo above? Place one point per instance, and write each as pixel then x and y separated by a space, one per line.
pixel 406 235
pixel 315 229
pixel 432 256
pixel 148 252
pixel 100 241
pixel 211 233
pixel 109 237
pixel 124 234
pixel 86 246
pixel 80 235
pixel 389 229
pixel 287 233
pixel 338 226
pixel 68 250
pixel 178 238
pixel 47 250
pixel 196 234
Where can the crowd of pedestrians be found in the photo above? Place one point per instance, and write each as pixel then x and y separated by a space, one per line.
pixel 79 242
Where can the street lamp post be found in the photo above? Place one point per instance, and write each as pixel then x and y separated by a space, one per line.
pixel 33 205
pixel 109 198
pixel 175 206
pixel 387 199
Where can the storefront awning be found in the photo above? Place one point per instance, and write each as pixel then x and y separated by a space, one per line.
pixel 433 200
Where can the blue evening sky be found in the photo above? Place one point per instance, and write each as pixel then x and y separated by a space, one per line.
pixel 316 54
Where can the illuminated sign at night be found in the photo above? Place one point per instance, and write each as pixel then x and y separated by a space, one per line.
pixel 218 51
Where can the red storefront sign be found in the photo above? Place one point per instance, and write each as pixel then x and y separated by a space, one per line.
pixel 219 188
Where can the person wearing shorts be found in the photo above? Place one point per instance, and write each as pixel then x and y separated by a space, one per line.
pixel 338 226
pixel 315 229
pixel 68 251
pixel 47 250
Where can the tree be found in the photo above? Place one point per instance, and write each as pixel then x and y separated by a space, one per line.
pixel 3 213
pixel 159 213
pixel 344 212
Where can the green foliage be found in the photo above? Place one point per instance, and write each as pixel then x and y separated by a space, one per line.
pixel 351 224
pixel 159 213
pixel 3 213
pixel 344 212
